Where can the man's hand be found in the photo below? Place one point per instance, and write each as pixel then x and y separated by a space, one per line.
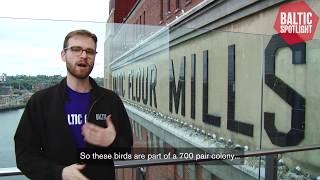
pixel 99 136
pixel 72 172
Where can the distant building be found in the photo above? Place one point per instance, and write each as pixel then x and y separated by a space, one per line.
pixel 8 100
pixel 6 94
pixel 3 77
pixel 6 90
pixel 38 87
pixel 4 99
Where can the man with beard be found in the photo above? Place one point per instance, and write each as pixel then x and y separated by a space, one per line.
pixel 77 114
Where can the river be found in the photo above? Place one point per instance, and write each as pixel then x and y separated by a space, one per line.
pixel 8 124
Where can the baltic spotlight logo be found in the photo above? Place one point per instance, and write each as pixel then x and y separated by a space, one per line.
pixel 296 22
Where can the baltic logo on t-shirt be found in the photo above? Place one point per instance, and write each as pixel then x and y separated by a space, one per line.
pixel 76 119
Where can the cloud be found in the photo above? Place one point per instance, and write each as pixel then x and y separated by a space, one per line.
pixel 28 51
pixel 22 59
pixel 93 10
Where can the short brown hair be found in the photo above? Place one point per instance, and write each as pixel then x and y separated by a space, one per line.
pixel 81 32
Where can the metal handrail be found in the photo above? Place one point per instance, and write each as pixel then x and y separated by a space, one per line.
pixel 140 163
pixel 14 171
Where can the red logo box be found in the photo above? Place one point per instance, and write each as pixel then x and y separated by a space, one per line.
pixel 296 22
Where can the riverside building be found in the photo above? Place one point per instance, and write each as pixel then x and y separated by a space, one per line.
pixel 215 74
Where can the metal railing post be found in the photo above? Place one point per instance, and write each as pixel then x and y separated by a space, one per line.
pixel 271 166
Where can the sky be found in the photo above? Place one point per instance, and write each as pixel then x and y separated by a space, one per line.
pixel 32 33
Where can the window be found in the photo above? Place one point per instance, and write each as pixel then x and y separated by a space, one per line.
pixel 180 170
pixel 169 7
pixel 161 9
pixel 177 4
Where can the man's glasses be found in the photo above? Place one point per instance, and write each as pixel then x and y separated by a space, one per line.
pixel 78 50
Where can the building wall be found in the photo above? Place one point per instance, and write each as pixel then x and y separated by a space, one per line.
pixel 250 36
pixel 299 77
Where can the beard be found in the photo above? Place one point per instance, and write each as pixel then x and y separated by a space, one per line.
pixel 78 72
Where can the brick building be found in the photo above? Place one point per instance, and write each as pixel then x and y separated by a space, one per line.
pixel 119 9
pixel 149 12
